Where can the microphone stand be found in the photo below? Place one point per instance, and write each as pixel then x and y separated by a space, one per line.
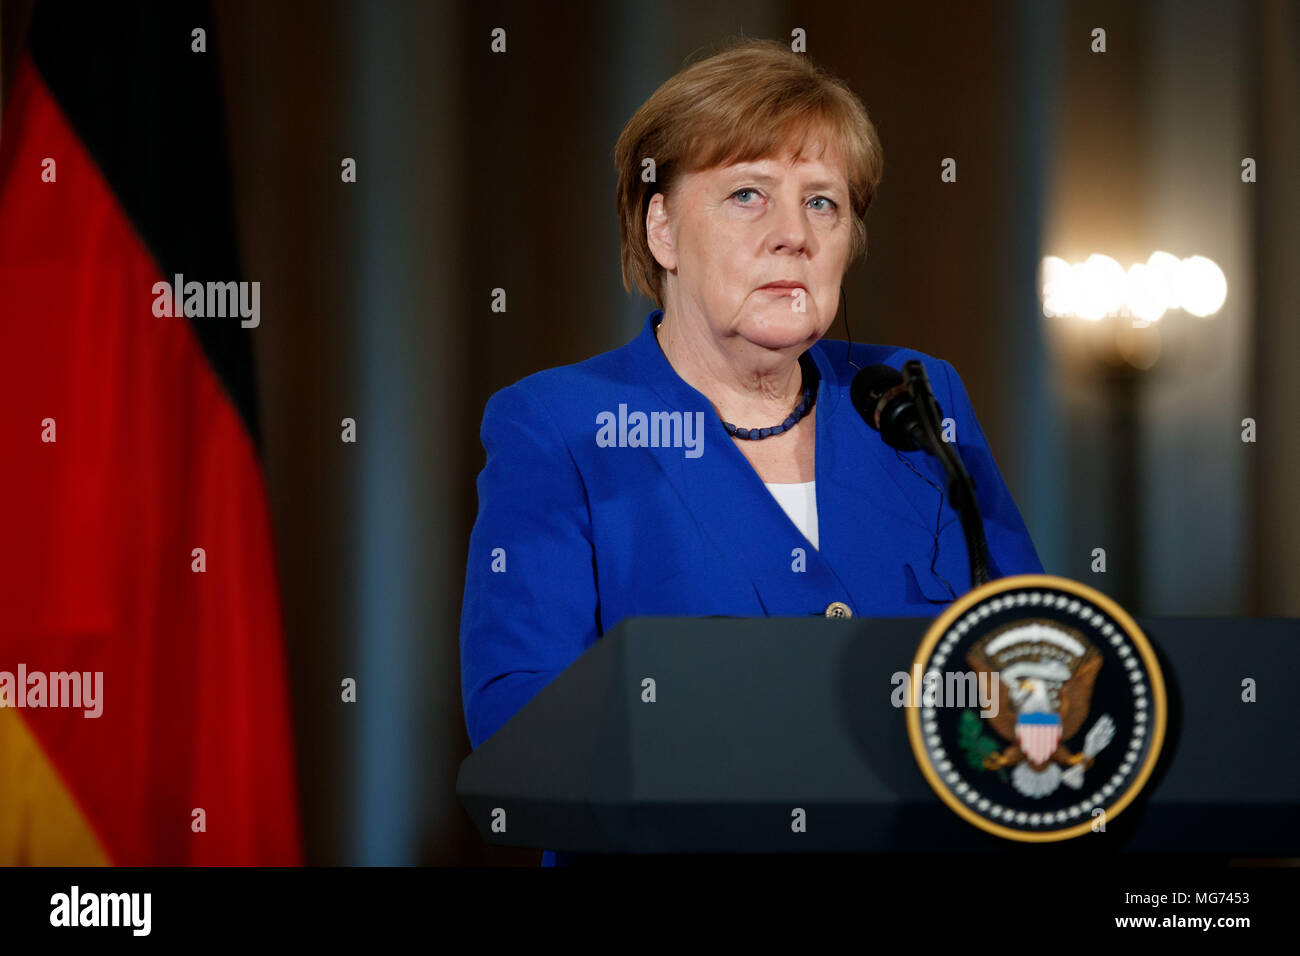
pixel 960 487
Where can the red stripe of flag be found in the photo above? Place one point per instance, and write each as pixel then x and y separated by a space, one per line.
pixel 151 461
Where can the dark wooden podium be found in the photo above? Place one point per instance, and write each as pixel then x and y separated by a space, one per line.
pixel 756 716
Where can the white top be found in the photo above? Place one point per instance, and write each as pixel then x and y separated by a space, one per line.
pixel 799 500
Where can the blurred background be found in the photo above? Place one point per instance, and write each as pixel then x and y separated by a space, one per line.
pixel 479 170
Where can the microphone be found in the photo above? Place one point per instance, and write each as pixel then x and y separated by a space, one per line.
pixel 885 402
pixel 901 406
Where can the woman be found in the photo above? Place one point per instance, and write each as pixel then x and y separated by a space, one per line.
pixel 715 465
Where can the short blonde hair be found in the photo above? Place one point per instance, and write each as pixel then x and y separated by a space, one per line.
pixel 748 102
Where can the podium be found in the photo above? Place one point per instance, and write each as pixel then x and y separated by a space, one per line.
pixel 755 717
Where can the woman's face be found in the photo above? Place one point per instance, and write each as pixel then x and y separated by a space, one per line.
pixel 724 233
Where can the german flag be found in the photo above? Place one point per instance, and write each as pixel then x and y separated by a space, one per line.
pixel 137 573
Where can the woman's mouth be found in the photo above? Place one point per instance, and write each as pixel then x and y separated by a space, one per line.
pixel 782 288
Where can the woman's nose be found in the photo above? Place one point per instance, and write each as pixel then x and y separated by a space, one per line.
pixel 789 229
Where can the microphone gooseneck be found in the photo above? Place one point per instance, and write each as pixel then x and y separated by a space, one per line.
pixel 903 409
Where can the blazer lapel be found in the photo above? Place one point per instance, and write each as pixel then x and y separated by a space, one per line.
pixel 877 513
pixel 871 510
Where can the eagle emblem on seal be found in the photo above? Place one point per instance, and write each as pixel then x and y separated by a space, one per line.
pixel 1046 672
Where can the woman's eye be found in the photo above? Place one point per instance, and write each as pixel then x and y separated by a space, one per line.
pixel 741 195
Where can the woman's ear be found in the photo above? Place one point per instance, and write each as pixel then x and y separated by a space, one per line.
pixel 659 232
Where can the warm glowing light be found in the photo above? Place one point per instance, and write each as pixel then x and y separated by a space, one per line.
pixel 1058 287
pixel 1100 287
pixel 1164 274
pixel 1144 293
pixel 1203 286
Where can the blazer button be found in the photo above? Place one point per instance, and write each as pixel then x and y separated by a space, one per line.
pixel 838 609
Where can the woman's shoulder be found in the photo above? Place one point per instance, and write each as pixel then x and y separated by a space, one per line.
pixel 945 381
pixel 846 359
pixel 565 390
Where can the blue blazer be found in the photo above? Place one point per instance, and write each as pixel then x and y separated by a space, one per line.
pixel 589 513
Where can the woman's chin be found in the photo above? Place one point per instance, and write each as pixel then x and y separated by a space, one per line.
pixel 789 331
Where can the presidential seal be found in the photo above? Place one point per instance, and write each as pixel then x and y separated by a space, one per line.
pixel 1079 716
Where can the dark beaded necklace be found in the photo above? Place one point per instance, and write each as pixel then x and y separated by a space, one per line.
pixel 800 410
